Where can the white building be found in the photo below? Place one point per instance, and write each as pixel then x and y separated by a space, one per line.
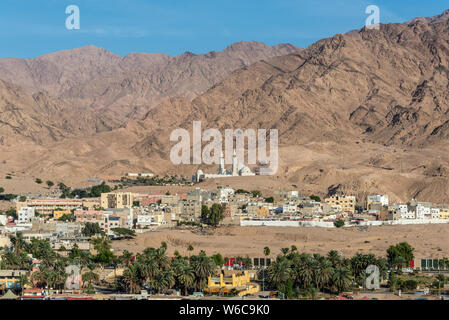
pixel 25 215
pixel 434 213
pixel 3 219
pixel 403 211
pixel 382 199
pixel 225 193
pixel 149 220
pixel 422 212
pixel 289 208
pixel 237 169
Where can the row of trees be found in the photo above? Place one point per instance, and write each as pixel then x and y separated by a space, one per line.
pixel 292 273
pixel 153 270
pixel 52 264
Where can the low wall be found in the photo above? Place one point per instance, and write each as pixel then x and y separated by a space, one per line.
pixel 259 223
pixel 274 223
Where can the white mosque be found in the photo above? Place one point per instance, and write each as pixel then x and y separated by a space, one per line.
pixel 238 170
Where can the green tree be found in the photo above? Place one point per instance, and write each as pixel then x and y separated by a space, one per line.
pixel 38 181
pixel 218 259
pixel 50 183
pixel 205 212
pixel 90 229
pixel 269 200
pixel 279 272
pixel 316 198
pixel 124 233
pixel 341 279
pixel 256 193
pixel 132 278
pixel 216 214
pixel 400 255
pixel 90 276
pixel 339 223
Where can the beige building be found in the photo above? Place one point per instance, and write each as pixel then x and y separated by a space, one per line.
pixel 48 206
pixel 116 200
pixel 258 211
pixel 342 203
pixel 190 210
pixel 444 213
pixel 170 200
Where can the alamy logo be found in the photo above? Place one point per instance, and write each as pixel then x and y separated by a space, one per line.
pixel 373 20
pixel 212 153
pixel 73 20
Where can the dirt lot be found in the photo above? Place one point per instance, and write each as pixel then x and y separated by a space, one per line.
pixel 428 240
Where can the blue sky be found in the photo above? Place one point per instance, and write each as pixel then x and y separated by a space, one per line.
pixel 29 28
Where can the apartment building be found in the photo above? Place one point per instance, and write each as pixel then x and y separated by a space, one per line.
pixel 149 220
pixel 376 200
pixel 107 220
pixel 342 203
pixel 190 210
pixel 117 200
pixel 57 214
pixel 48 206
pixel 25 215
pixel 283 195
pixel 444 213
pixel 259 211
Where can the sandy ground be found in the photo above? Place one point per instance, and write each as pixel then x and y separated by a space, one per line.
pixel 428 240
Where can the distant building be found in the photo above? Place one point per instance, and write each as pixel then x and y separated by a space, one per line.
pixel 237 169
pixel 11 278
pixel 146 175
pixel 57 214
pixel 241 283
pixel 342 203
pixel 116 200
pixel 48 206
pixel 444 213
pixel 376 200
pixel 25 215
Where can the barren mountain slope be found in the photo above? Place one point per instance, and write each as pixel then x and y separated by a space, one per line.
pixel 129 86
pixel 338 108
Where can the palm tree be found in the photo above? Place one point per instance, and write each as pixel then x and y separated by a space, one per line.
pixel 203 267
pixel 126 257
pixel 163 280
pixel 190 248
pixel 131 277
pixel 90 276
pixel 323 271
pixel 279 271
pixel 334 258
pixel 341 279
pixel 18 242
pixel 161 258
pixel 23 281
pixel 185 276
pixel 303 270
pixel 266 252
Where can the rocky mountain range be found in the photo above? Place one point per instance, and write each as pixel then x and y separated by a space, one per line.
pixel 362 112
